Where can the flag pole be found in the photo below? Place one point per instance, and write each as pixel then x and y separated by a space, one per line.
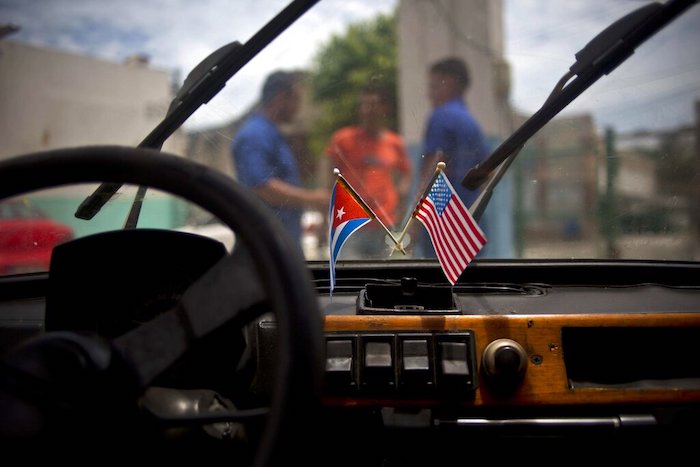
pixel 359 199
pixel 439 168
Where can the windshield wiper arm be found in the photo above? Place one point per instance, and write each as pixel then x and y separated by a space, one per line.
pixel 202 83
pixel 599 57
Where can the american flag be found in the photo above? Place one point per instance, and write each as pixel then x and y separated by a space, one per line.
pixel 455 235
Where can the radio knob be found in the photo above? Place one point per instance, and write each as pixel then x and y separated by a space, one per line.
pixel 504 362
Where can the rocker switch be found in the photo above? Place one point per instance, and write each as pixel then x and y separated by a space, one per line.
pixel 456 366
pixel 340 366
pixel 416 370
pixel 453 359
pixel 378 363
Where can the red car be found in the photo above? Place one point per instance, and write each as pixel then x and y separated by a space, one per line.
pixel 27 237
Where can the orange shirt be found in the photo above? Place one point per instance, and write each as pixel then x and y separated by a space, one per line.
pixel 371 165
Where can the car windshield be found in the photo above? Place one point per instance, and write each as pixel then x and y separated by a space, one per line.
pixel 346 114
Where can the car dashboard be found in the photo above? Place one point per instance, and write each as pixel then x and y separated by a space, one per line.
pixel 547 351
pixel 529 351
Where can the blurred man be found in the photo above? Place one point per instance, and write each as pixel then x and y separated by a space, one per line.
pixel 264 160
pixel 374 160
pixel 452 134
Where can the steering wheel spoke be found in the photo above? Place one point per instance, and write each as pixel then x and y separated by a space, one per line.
pixel 240 296
pixel 227 293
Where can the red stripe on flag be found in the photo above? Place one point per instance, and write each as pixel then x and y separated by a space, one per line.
pixel 429 217
pixel 457 239
pixel 473 228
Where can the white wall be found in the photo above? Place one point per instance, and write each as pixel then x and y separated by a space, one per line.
pixel 51 99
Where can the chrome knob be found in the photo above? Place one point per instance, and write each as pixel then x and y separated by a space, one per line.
pixel 504 363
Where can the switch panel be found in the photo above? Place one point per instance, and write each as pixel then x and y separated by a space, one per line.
pixel 413 364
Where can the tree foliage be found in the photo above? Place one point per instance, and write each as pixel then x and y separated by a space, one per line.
pixel 366 53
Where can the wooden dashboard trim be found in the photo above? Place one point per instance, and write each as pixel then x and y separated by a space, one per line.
pixel 545 381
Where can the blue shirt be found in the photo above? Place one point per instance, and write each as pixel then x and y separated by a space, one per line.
pixel 260 152
pixel 453 129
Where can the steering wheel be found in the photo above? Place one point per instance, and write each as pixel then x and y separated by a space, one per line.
pixel 271 276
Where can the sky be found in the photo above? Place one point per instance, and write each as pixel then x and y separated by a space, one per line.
pixel 541 38
pixel 654 88
pixel 177 34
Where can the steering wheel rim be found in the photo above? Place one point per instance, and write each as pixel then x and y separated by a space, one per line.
pixel 278 260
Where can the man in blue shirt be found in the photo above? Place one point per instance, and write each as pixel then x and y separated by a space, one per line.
pixel 452 134
pixel 264 160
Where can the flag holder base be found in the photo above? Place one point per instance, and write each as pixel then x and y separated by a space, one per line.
pixel 407 298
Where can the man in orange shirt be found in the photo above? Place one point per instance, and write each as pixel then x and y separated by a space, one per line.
pixel 374 160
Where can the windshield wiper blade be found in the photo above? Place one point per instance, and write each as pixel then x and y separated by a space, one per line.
pixel 202 83
pixel 599 57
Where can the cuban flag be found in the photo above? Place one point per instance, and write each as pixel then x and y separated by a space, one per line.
pixel 347 214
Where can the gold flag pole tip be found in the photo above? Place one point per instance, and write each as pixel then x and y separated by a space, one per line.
pixel 441 165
